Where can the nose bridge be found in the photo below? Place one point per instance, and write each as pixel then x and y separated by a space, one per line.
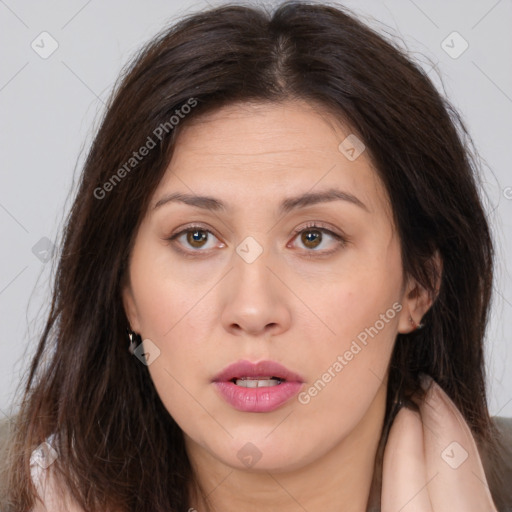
pixel 251 273
pixel 254 300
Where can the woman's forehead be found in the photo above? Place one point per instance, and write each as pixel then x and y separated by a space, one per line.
pixel 295 123
pixel 273 151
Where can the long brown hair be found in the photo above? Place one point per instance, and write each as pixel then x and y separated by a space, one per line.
pixel 119 449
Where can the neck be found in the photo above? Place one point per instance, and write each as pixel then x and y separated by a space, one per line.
pixel 338 481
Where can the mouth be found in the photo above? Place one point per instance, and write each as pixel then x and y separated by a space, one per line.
pixel 257 387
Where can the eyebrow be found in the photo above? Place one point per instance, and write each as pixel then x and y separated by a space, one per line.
pixel 287 205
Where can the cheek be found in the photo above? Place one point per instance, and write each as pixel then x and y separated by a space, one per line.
pixel 347 373
pixel 175 316
pixel 361 310
pixel 364 298
pixel 166 294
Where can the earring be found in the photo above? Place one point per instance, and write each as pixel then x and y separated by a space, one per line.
pixel 135 340
pixel 415 325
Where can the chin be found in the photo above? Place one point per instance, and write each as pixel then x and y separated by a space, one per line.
pixel 262 454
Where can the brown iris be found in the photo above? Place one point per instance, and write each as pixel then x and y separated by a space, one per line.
pixel 196 238
pixel 311 236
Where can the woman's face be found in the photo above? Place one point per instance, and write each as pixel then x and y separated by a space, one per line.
pixel 277 273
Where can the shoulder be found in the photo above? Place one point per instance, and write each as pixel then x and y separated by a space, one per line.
pixel 498 469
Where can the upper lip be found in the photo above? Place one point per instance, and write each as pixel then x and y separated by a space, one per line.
pixel 246 368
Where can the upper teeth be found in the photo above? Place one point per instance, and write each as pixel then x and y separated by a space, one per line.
pixel 258 382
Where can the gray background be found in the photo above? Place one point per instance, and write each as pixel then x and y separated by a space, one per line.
pixel 51 106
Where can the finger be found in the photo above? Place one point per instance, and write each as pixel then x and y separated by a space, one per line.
pixel 404 478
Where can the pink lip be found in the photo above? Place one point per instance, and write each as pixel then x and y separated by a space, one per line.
pixel 262 399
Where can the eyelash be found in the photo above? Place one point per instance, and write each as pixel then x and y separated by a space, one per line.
pixel 342 240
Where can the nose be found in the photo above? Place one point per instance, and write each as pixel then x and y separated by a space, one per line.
pixel 256 300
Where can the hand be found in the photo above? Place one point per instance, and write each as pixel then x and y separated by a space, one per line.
pixel 431 461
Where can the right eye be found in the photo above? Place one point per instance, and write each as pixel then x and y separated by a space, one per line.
pixel 195 237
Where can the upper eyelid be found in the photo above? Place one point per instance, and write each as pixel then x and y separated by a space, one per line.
pixel 191 228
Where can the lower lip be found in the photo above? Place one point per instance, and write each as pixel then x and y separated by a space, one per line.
pixel 264 399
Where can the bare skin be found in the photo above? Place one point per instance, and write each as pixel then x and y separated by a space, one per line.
pixel 302 302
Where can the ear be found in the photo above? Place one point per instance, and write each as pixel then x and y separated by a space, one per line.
pixel 130 308
pixel 417 300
